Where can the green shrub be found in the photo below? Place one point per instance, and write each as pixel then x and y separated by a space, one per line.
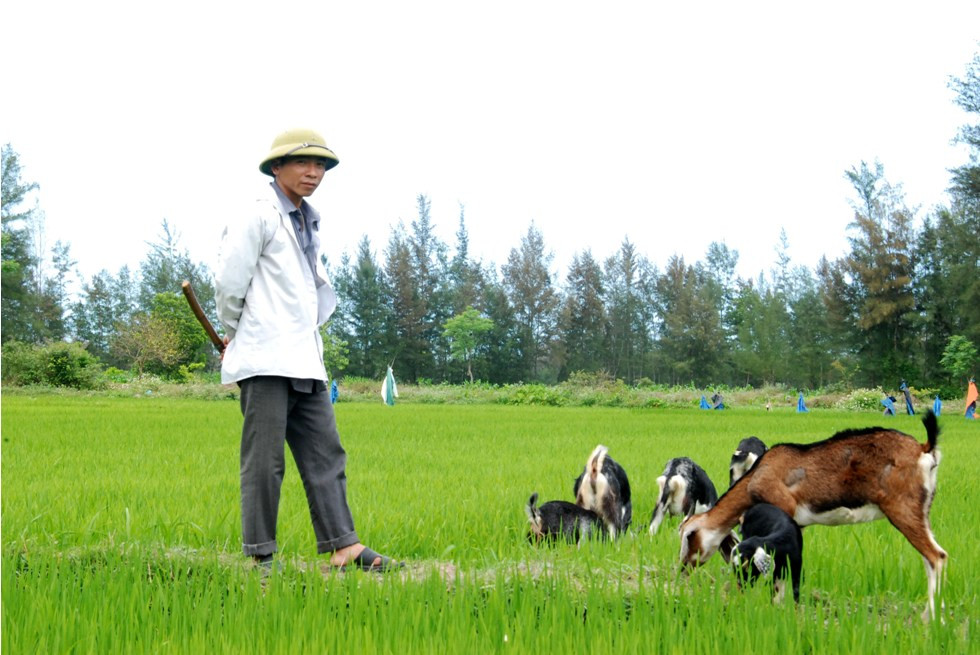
pixel 597 379
pixel 533 394
pixel 352 384
pixel 70 365
pixel 953 391
pixel 21 365
pixel 862 399
pixel 117 376
pixel 186 373
pixel 58 364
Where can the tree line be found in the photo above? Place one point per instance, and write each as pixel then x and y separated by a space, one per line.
pixel 902 303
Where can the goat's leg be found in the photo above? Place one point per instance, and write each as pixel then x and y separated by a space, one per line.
pixel 659 513
pixel 934 574
pixel 796 572
pixel 778 591
pixel 914 524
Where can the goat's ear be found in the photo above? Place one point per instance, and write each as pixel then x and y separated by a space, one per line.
pixel 762 561
pixel 688 541
pixel 728 544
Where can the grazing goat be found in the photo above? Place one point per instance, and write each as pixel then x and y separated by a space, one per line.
pixel 560 519
pixel 684 489
pixel 771 543
pixel 855 476
pixel 748 451
pixel 604 488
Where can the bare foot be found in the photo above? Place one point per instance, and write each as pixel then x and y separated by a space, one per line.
pixel 344 555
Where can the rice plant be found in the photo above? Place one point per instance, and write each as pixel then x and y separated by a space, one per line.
pixel 121 534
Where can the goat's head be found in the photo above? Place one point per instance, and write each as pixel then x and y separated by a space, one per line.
pixel 741 463
pixel 693 551
pixel 750 560
pixel 700 540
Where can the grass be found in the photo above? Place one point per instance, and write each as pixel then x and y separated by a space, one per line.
pixel 120 526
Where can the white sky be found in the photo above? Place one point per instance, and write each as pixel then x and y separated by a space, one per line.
pixel 672 124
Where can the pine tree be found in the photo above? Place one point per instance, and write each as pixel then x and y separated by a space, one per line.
pixel 364 317
pixel 691 336
pixel 528 280
pixel 629 280
pixel 880 272
pixel 583 323
pixel 32 305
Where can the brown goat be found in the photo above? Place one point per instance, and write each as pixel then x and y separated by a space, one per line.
pixel 853 477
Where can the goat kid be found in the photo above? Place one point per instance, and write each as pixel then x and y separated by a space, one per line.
pixel 771 544
pixel 855 476
pixel 560 519
pixel 684 489
pixel 604 488
pixel 748 451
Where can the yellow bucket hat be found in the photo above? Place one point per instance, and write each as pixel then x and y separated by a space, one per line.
pixel 298 143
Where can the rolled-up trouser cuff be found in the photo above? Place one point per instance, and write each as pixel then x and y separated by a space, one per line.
pixel 348 539
pixel 262 549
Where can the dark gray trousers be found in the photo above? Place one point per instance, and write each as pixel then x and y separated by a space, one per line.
pixel 275 413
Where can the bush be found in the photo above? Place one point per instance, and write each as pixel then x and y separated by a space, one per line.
pixel 118 376
pixel 70 365
pixel 592 380
pixel 862 399
pixel 953 391
pixel 21 365
pixel 354 385
pixel 58 364
pixel 533 394
pixel 186 373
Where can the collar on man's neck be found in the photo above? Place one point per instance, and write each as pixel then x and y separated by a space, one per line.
pixel 305 208
pixel 288 204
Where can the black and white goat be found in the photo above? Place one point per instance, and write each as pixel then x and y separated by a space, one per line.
pixel 746 453
pixel 855 476
pixel 683 489
pixel 771 543
pixel 604 488
pixel 560 519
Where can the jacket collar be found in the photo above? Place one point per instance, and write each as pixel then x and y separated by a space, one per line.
pixel 286 207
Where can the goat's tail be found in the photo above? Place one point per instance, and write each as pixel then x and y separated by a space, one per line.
pixel 533 514
pixel 596 459
pixel 932 430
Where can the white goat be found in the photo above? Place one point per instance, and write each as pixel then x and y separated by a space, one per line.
pixel 604 488
pixel 853 477
pixel 683 489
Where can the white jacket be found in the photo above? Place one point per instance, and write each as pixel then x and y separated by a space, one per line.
pixel 267 299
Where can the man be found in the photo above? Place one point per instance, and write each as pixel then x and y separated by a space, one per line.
pixel 273 295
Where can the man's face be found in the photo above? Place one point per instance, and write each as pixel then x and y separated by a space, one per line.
pixel 298 177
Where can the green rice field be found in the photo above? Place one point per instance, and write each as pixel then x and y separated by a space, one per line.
pixel 121 534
